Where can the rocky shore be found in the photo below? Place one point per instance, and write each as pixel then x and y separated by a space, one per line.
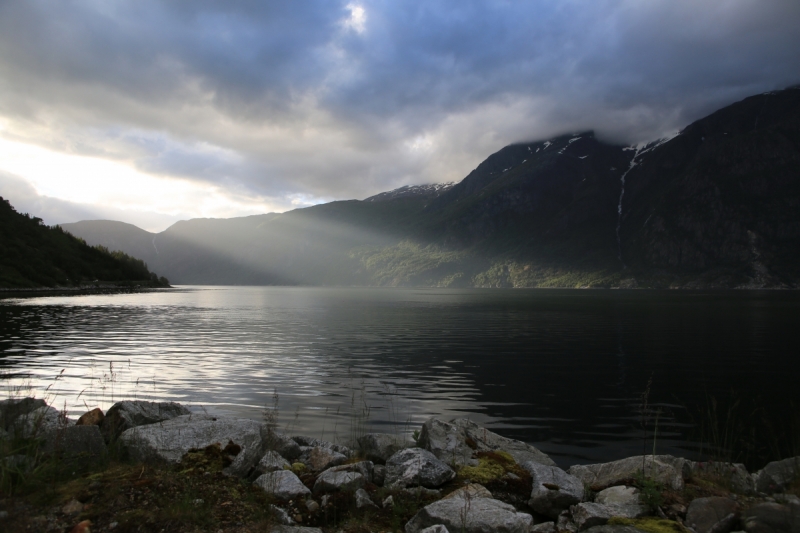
pixel 205 473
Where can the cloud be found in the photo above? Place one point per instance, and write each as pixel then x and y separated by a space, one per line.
pixel 25 199
pixel 319 100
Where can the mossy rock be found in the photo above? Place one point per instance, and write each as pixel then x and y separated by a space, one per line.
pixel 491 466
pixel 649 524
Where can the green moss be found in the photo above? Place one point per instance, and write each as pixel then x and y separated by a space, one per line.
pixel 649 524
pixel 298 468
pixel 486 471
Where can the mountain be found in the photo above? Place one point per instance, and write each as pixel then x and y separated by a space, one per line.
pixel 34 255
pixel 716 205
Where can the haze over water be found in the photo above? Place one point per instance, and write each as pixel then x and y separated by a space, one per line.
pixel 561 369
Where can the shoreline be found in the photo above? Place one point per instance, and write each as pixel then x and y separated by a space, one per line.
pixel 147 466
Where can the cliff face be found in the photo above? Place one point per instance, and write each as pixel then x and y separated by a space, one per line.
pixel 720 201
pixel 714 206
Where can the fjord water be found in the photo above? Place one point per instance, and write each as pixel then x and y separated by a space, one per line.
pixel 562 369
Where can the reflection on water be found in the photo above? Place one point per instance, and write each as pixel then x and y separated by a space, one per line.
pixel 561 369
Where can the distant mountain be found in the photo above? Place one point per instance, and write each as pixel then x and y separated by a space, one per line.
pixel 34 255
pixel 431 190
pixel 716 205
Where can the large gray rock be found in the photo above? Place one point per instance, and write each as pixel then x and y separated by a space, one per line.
pixel 544 527
pixel 456 441
pixel 618 495
pixel 777 475
pixel 438 528
pixel 285 446
pixel 378 447
pixel 589 514
pixel 319 458
pixel 604 475
pixel 312 442
pixel 282 484
pixel 363 499
pixel 12 408
pixel 41 423
pixel 704 513
pixel 732 476
pixel 415 466
pixel 772 518
pixel 169 440
pixel 471 491
pixel 553 489
pixel 129 414
pixel 270 462
pixel 330 481
pixel 365 468
pixel 480 515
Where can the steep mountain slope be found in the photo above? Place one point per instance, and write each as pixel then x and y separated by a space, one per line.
pixel 716 205
pixel 721 202
pixel 34 255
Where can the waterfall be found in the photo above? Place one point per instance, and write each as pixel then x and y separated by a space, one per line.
pixel 621 195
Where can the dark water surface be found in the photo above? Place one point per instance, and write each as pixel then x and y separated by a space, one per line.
pixel 562 369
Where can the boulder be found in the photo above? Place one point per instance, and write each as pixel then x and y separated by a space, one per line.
pixel 282 484
pixel 363 499
pixel 285 446
pixel 12 408
pixel 311 442
pixel 415 466
pixel 618 495
pixel 590 514
pixel 544 527
pixel 438 528
pixel 481 515
pixel 330 481
pixel 129 414
pixel 603 475
pixel 92 418
pixel 553 489
pixel 169 440
pixel 378 447
pixel 271 462
pixel 365 468
pixel 319 458
pixel 771 517
pixel 704 513
pixel 41 423
pixel 732 476
pixel 471 491
pixel 777 475
pixel 455 442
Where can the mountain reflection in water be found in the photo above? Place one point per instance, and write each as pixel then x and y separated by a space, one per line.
pixel 561 369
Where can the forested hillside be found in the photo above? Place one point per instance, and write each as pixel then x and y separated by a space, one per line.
pixel 35 255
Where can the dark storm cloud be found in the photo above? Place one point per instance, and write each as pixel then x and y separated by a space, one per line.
pixel 320 99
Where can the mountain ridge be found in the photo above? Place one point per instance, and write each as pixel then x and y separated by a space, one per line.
pixel 715 205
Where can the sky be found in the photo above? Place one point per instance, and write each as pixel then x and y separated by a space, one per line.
pixel 154 111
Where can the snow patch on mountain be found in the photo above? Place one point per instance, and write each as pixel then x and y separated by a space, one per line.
pixel 430 189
